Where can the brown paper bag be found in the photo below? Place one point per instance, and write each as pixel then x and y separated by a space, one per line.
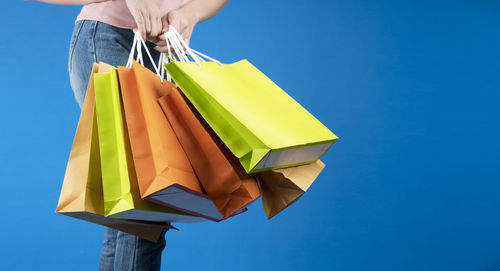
pixel 81 193
pixel 220 172
pixel 282 187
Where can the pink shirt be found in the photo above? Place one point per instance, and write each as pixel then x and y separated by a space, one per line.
pixel 116 12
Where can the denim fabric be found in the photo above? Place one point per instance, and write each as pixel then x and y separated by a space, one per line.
pixel 94 41
pixel 125 252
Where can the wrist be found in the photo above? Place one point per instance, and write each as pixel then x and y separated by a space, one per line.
pixel 192 15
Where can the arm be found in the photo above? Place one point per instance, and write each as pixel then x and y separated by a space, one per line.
pixel 186 17
pixel 70 2
pixel 199 10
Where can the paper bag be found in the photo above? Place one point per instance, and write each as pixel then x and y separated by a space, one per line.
pixel 259 122
pixel 120 188
pixel 81 193
pixel 282 187
pixel 220 173
pixel 164 173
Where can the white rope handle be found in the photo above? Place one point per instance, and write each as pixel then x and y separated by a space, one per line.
pixel 200 55
pixel 178 41
pixel 137 45
pixel 139 53
pixel 164 59
pixel 131 55
pixel 180 45
pixel 179 52
pixel 173 41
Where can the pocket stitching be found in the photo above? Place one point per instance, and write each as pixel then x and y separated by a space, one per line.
pixel 74 40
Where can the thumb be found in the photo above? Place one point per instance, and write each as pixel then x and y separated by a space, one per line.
pixel 164 23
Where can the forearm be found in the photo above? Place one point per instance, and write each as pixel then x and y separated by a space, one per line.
pixel 202 10
pixel 69 2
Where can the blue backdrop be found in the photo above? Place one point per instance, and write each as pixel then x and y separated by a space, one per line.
pixel 410 87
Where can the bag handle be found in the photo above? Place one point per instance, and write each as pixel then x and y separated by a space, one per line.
pixel 175 42
pixel 181 48
pixel 164 59
pixel 179 54
pixel 137 45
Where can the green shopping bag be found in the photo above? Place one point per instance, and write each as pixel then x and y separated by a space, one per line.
pixel 258 121
pixel 81 192
pixel 120 189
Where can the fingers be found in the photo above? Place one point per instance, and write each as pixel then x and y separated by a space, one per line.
pixel 161 49
pixel 164 24
pixel 141 25
pixel 147 16
pixel 180 23
pixel 161 43
pixel 156 27
pixel 150 26
pixel 161 46
pixel 186 35
pixel 147 26
pixel 175 20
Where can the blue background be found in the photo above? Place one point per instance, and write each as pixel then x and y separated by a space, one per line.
pixel 410 87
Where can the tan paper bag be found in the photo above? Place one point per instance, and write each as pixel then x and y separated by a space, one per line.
pixel 282 187
pixel 81 194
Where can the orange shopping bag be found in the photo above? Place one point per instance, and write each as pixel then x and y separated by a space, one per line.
pixel 81 194
pixel 219 171
pixel 164 172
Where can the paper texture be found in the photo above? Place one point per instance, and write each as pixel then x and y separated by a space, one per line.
pixel 220 173
pixel 164 173
pixel 251 114
pixel 120 188
pixel 81 193
pixel 282 187
pixel 159 158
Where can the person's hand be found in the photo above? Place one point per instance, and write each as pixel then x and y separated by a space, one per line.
pixel 147 16
pixel 186 17
pixel 183 22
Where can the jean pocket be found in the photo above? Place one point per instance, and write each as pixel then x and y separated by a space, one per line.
pixel 74 39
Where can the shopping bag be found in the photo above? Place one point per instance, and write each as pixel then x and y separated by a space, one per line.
pixel 164 173
pixel 220 173
pixel 282 187
pixel 120 188
pixel 81 193
pixel 259 122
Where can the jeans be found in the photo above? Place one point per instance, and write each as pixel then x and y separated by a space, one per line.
pixel 125 252
pixel 91 42
pixel 94 41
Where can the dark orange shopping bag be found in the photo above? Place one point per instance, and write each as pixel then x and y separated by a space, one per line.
pixel 220 172
pixel 164 172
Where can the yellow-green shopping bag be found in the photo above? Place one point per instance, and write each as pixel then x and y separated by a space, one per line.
pixel 81 192
pixel 120 189
pixel 258 121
